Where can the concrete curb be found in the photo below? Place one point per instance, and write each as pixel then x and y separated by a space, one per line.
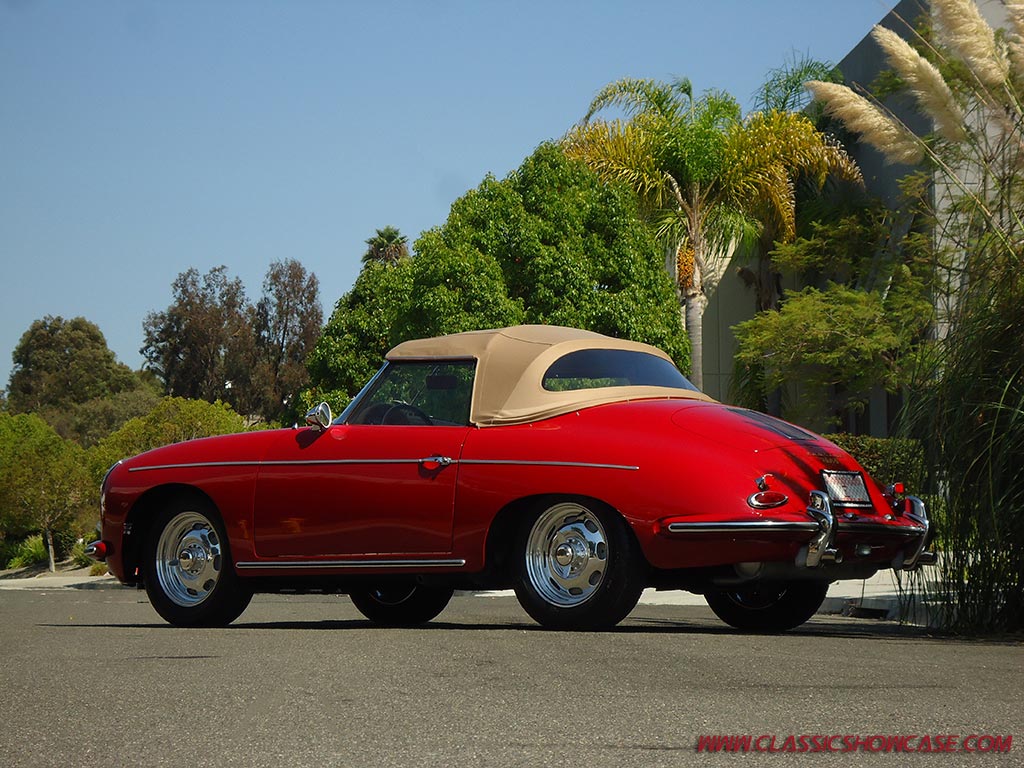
pixel 875 598
pixel 37 583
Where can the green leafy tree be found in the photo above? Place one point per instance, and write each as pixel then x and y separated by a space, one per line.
pixel 173 420
pixel 287 322
pixel 60 363
pixel 836 344
pixel 358 333
pixel 455 287
pixel 860 323
pixel 551 243
pixel 203 342
pixel 96 419
pixel 212 344
pixel 45 486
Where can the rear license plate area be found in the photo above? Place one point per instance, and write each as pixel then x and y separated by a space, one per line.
pixel 846 489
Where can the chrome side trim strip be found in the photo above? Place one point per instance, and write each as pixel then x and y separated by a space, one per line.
pixel 196 464
pixel 296 463
pixel 322 462
pixel 526 463
pixel 861 525
pixel 746 525
pixel 778 525
pixel 315 565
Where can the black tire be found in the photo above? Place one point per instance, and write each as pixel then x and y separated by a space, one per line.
pixel 188 570
pixel 401 605
pixel 769 607
pixel 578 566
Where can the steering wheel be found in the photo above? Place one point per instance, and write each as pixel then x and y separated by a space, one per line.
pixel 399 413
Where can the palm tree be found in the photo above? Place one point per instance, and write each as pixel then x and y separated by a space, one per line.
pixel 783 88
pixel 769 156
pixel 388 246
pixel 705 174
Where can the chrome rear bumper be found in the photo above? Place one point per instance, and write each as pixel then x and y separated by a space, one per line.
pixel 918 556
pixel 821 549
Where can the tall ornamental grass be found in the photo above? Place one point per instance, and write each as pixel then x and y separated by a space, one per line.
pixel 966 405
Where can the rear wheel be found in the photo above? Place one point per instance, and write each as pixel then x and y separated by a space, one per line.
pixel 189 575
pixel 769 607
pixel 401 605
pixel 579 567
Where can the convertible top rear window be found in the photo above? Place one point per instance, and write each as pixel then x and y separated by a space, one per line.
pixel 594 368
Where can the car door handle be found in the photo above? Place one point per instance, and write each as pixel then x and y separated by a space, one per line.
pixel 431 463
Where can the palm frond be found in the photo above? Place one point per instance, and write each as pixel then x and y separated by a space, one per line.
pixel 619 152
pixel 635 96
pixel 783 89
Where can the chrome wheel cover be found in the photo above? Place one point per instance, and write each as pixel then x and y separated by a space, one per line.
pixel 567 555
pixel 188 559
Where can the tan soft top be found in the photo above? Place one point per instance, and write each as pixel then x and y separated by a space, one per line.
pixel 511 367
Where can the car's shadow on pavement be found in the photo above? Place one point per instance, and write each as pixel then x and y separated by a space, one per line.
pixel 640 626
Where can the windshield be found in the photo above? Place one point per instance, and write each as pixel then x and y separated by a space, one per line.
pixel 433 393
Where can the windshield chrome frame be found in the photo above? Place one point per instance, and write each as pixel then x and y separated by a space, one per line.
pixel 354 402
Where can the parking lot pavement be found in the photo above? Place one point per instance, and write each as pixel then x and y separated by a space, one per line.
pixel 95 677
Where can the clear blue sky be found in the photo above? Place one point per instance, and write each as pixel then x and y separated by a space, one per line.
pixel 141 138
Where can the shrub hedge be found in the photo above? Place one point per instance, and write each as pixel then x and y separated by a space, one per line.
pixel 887 459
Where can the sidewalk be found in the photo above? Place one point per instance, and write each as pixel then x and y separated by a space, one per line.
pixel 876 597
pixel 65 580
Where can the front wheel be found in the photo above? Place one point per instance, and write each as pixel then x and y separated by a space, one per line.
pixel 401 605
pixel 769 607
pixel 579 567
pixel 188 571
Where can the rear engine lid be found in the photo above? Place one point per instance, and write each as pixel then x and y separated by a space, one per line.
pixel 743 428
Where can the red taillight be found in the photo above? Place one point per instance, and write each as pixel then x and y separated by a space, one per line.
pixel 895 491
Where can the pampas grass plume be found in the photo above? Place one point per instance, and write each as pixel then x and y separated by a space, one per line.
pixel 924 82
pixel 875 127
pixel 1015 12
pixel 972 38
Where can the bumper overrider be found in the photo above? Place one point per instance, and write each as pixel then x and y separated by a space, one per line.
pixel 824 526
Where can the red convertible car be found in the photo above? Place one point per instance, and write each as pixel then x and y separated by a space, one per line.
pixel 576 468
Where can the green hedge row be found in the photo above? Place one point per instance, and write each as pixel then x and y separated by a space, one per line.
pixel 887 459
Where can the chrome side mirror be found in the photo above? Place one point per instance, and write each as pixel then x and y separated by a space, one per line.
pixel 320 417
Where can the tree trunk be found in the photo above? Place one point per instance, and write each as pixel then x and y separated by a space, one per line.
pixel 672 267
pixel 49 547
pixel 695 303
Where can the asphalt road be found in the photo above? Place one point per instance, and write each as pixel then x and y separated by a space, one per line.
pixel 95 677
